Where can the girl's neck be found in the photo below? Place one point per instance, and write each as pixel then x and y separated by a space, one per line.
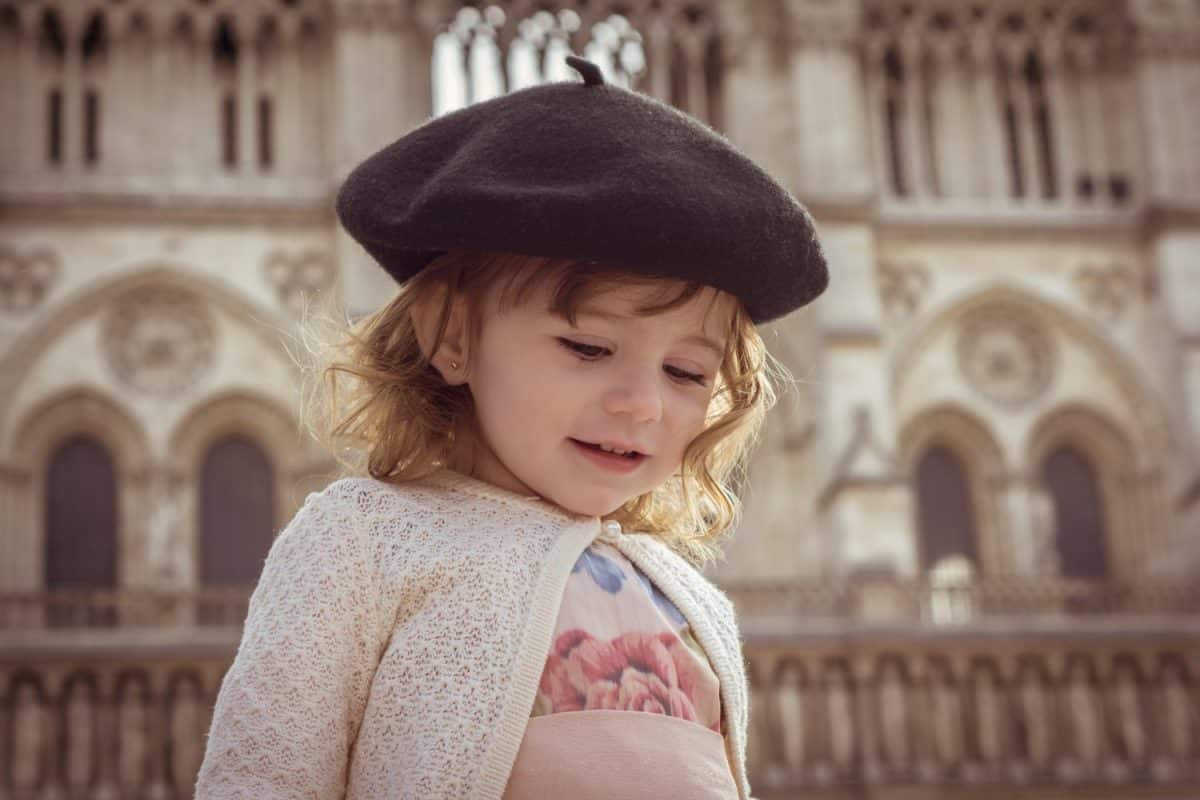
pixel 451 478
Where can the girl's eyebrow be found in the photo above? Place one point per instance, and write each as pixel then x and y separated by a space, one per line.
pixel 694 338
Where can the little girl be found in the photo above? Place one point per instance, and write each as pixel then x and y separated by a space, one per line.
pixel 546 420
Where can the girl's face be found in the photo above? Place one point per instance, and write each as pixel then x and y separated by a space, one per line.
pixel 635 382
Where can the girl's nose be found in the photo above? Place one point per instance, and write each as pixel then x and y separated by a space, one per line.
pixel 637 392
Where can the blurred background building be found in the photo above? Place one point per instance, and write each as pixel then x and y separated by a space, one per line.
pixel 970 562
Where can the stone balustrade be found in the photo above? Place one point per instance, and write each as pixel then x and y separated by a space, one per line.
pixel 846 701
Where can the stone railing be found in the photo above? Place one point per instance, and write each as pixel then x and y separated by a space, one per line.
pixel 1094 705
pixel 871 598
pixel 885 597
pixel 107 608
pixel 1086 708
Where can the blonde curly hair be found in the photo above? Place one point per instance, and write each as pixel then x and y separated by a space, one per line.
pixel 375 402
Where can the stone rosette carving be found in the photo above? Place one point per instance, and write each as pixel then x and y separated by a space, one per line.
pixel 1005 354
pixel 1106 288
pixel 159 340
pixel 298 277
pixel 902 287
pixel 26 278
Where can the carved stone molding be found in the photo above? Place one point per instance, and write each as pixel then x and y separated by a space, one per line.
pixel 1106 288
pixel 297 277
pixel 902 287
pixel 26 277
pixel 159 340
pixel 1005 354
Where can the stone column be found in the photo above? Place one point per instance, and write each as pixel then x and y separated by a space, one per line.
pixel 72 88
pixel 991 154
pixel 1062 122
pixel 829 101
pixel 756 91
pixel 370 112
pixel 247 98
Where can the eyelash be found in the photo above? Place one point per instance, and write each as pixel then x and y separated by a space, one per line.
pixel 579 347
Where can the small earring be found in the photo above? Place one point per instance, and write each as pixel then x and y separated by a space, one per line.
pixel 453 365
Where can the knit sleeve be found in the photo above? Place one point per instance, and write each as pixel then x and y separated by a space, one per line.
pixel 290 706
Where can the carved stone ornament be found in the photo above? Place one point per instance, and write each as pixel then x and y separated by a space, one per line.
pixel 25 278
pixel 902 287
pixel 1005 355
pixel 298 277
pixel 159 340
pixel 1106 288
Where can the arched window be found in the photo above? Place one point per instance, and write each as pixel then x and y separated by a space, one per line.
pixel 1079 531
pixel 81 527
pixel 946 515
pixel 237 512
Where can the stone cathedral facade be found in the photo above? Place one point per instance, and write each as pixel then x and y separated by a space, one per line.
pixel 970 559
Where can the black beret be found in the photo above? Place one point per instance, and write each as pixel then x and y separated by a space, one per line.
pixel 589 171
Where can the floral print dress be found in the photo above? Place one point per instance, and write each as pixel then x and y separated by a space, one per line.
pixel 628 706
pixel 620 644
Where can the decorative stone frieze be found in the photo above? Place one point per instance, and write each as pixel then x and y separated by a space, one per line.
pixel 902 287
pixel 1006 355
pixel 25 278
pixel 159 340
pixel 1106 288
pixel 298 277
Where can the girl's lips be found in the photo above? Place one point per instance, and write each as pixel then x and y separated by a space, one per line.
pixel 608 460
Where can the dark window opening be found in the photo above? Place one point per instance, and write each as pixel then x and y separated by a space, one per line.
pixel 1046 143
pixel 81 532
pixel 1085 187
pixel 1119 185
pixel 224 47
pixel 1017 183
pixel 237 518
pixel 95 43
pixel 54 126
pixel 229 130
pixel 265 129
pixel 91 127
pixel 51 39
pixel 1079 516
pixel 946 514
pixel 893 113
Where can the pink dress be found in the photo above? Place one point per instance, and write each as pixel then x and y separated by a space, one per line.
pixel 628 705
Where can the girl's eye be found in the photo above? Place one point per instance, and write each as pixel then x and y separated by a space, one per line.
pixel 590 352
pixel 687 376
pixel 586 350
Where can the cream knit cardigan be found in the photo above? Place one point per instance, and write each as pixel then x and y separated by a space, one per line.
pixel 397 635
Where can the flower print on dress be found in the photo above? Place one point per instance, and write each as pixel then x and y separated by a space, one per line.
pixel 604 571
pixel 633 672
pixel 660 599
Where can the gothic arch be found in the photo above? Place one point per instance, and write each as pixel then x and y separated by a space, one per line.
pixel 968 437
pixel 1131 498
pixel 296 466
pixel 1148 425
pixel 30 345
pixel 261 420
pixel 41 430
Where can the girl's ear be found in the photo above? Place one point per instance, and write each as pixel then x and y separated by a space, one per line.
pixel 450 359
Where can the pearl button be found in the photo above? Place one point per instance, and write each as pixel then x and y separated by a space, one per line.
pixel 612 526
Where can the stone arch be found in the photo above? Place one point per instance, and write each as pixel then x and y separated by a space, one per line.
pixel 30 345
pixel 1142 412
pixel 41 430
pixel 1132 497
pixel 970 438
pixel 297 468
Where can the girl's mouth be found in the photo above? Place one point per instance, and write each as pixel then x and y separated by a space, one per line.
pixel 610 460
